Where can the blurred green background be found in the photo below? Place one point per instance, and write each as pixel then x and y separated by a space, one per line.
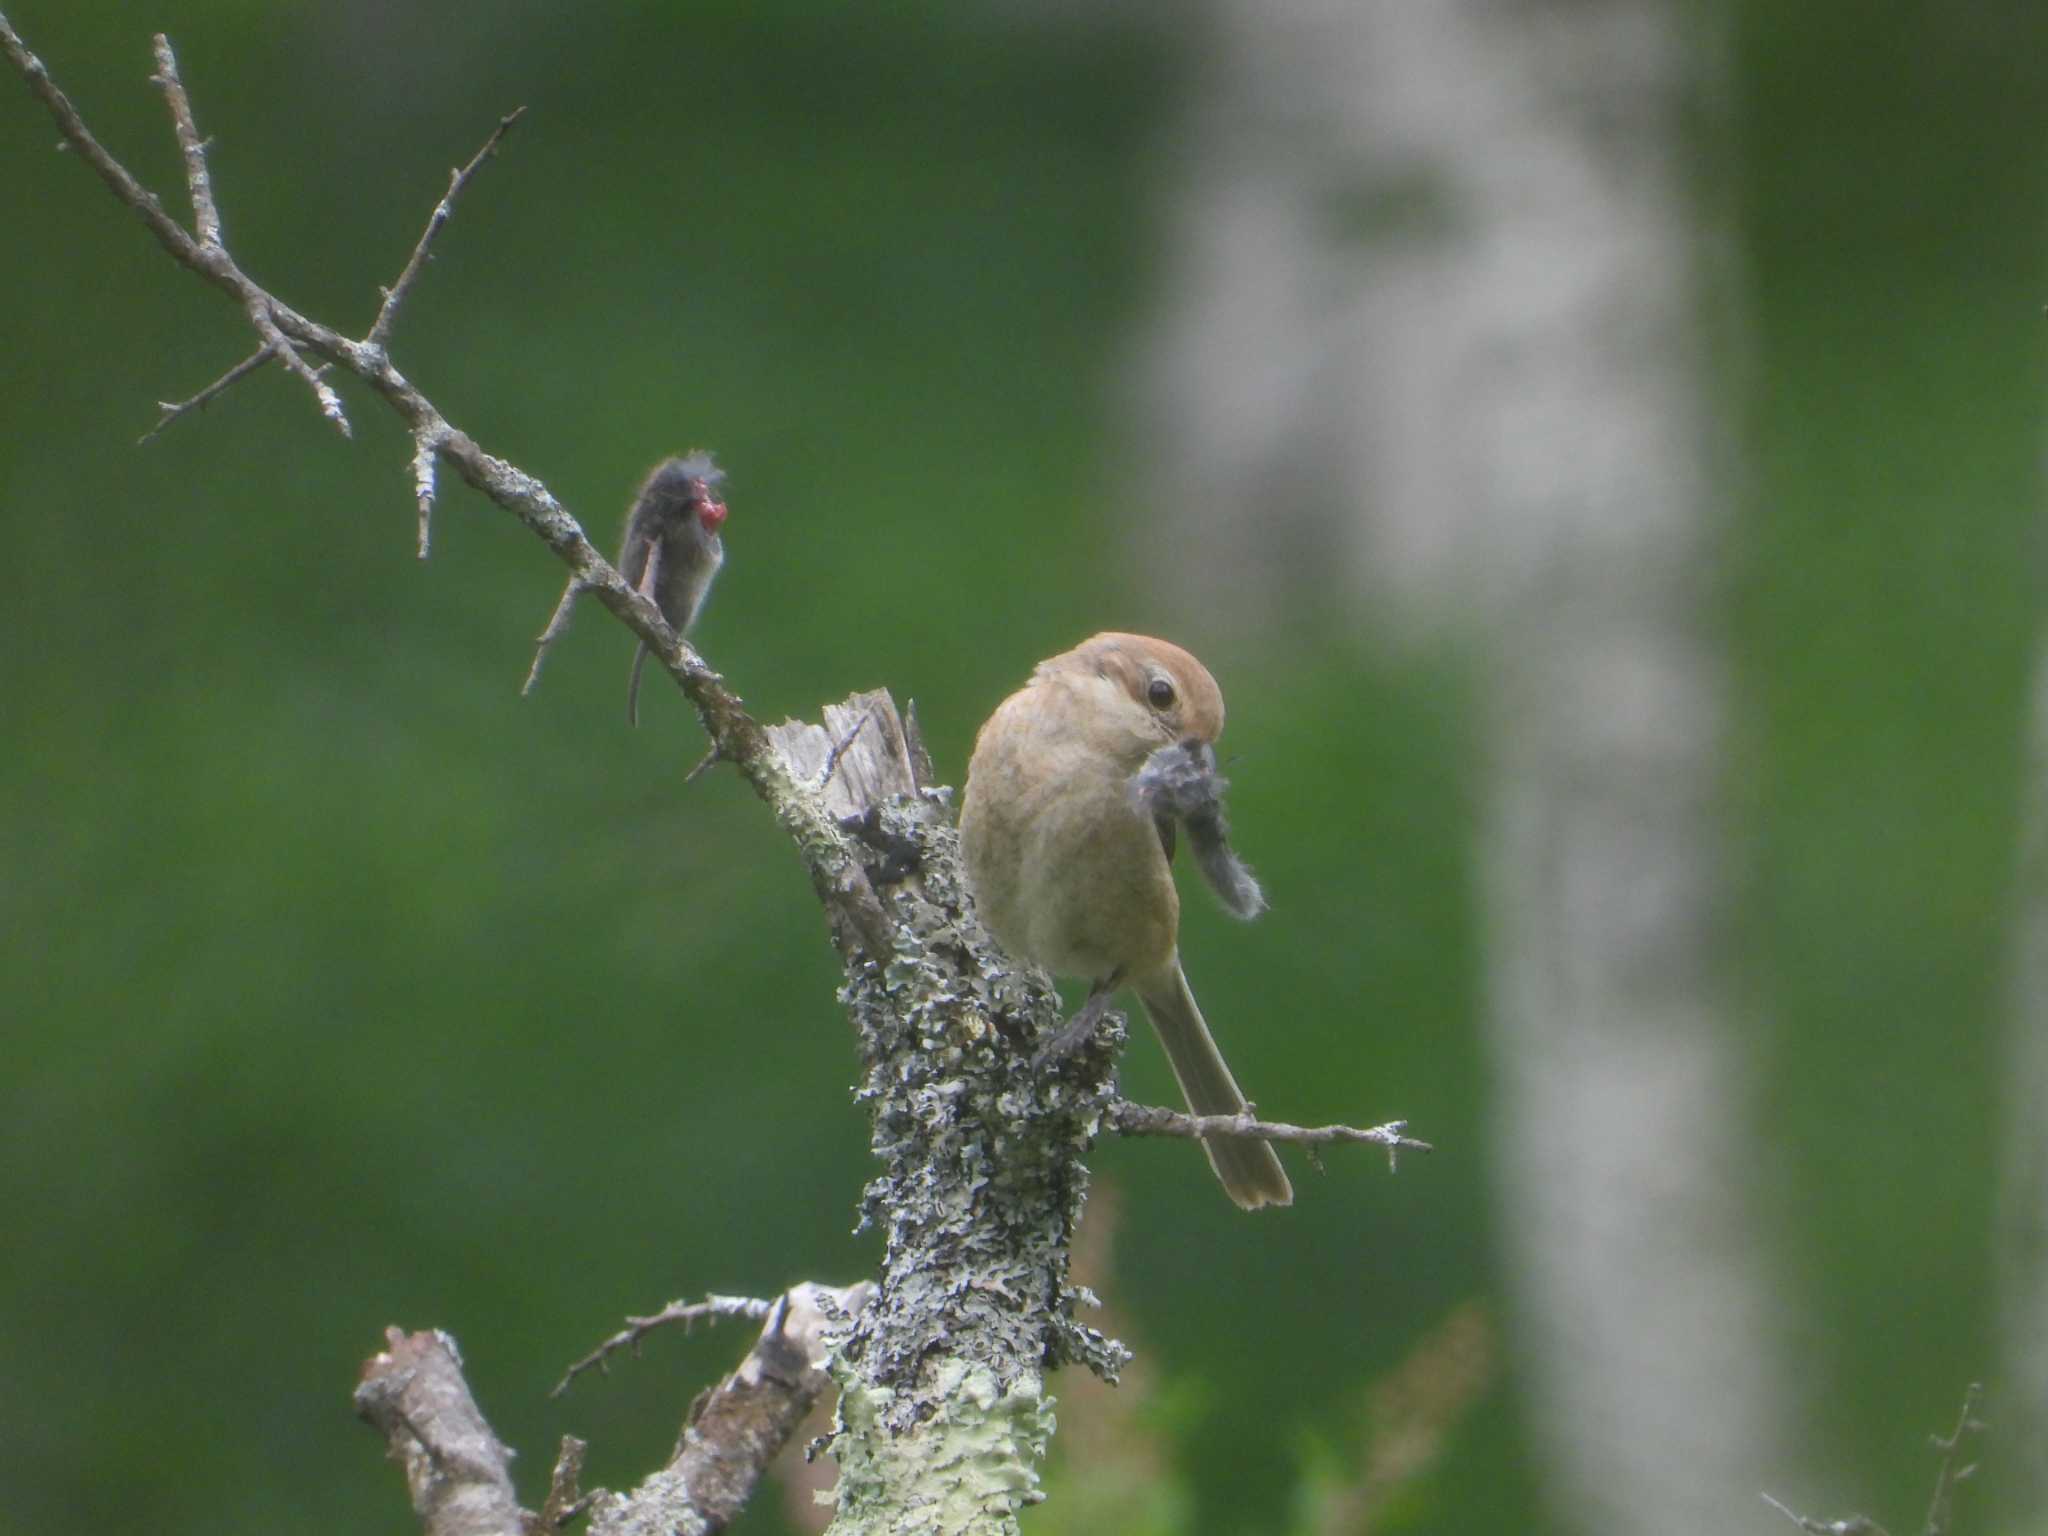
pixel 343 987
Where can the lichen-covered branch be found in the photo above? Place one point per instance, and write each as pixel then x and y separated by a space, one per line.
pixel 943 1395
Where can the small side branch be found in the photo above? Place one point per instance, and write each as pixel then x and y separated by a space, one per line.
pixel 387 313
pixel 205 212
pixel 687 1313
pixel 172 410
pixel 738 1427
pixel 212 255
pixel 256 305
pixel 1953 1466
pixel 126 189
pixel 426 443
pixel 412 1392
pixel 1954 1469
pixel 1851 1525
pixel 1129 1119
pixel 566 1498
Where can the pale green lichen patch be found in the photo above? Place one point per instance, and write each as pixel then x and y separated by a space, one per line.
pixel 968 1468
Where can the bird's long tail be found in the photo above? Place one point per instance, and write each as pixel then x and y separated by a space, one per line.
pixel 1250 1170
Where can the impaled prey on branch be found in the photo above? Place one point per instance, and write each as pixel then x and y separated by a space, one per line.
pixel 671 549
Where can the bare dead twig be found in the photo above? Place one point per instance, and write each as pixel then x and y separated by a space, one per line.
pixel 206 257
pixel 1129 1119
pixel 413 1393
pixel 1939 1509
pixel 172 410
pixel 205 212
pixel 566 1498
pixel 206 222
pixel 1851 1525
pixel 125 187
pixel 214 254
pixel 688 1313
pixel 738 1427
pixel 1941 1506
pixel 387 312
pixel 426 442
pixel 289 336
pixel 258 306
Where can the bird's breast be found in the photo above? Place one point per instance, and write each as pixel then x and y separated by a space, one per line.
pixel 1068 873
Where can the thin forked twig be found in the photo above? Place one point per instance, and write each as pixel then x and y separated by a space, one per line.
pixel 1848 1525
pixel 1940 1508
pixel 212 255
pixel 688 1313
pixel 169 232
pixel 380 328
pixel 256 304
pixel 1129 1119
pixel 172 410
pixel 521 494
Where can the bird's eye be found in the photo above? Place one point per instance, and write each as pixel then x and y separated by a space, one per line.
pixel 1160 693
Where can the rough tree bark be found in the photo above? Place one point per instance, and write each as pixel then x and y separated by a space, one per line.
pixel 941 1361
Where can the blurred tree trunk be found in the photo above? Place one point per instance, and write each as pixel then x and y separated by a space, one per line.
pixel 2021 1402
pixel 1437 318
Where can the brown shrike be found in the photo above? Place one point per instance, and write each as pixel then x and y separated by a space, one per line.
pixel 1067 827
pixel 671 549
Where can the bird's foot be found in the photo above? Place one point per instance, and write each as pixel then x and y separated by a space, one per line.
pixel 1078 1030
